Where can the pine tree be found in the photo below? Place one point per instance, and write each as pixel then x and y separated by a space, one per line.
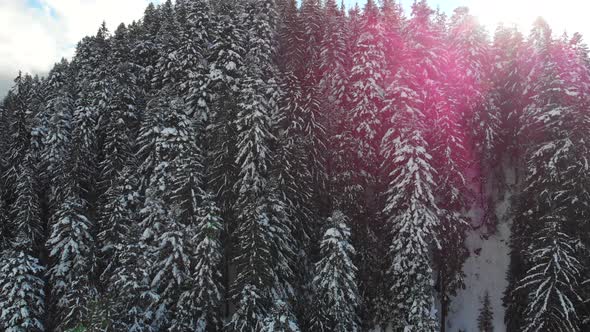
pixel 200 304
pixel 164 239
pixel 121 124
pixel 129 283
pixel 26 209
pixel 264 262
pixel 313 118
pixel 334 87
pixel 22 304
pixel 290 30
pixel 280 319
pixel 56 131
pixel 486 316
pixel 20 108
pixel 117 218
pixel 552 282
pixel 411 210
pixel 413 217
pixel 551 124
pixel 368 75
pixel 194 56
pixel 167 71
pixel 71 251
pixel 335 285
pixel 227 61
pixel 264 232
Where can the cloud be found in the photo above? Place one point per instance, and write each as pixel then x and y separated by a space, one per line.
pixel 38 33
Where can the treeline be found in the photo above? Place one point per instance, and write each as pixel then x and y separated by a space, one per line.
pixel 265 165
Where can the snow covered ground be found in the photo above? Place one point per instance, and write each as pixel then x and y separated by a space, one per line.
pixel 485 270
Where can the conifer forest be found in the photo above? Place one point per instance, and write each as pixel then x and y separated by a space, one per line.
pixel 287 166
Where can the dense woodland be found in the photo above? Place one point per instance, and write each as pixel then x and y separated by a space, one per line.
pixel 270 165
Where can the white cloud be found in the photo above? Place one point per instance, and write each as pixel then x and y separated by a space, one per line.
pixel 33 39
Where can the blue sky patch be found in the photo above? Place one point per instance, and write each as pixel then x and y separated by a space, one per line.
pixel 38 4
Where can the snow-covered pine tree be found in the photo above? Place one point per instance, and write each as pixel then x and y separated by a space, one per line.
pixel 413 216
pixel 548 207
pixel 144 48
pixel 181 12
pixel 362 138
pixel 335 291
pixel 19 110
pixel 313 118
pixel 334 89
pixel 411 211
pixel 226 70
pixel 117 217
pixel 485 320
pixel 290 40
pixel 26 210
pixel 199 306
pixel 264 262
pixel 150 135
pixel 294 182
pixel 281 319
pixel 552 283
pixel 128 285
pixel 84 125
pixel 122 122
pixel 187 167
pixel 193 56
pixel 164 232
pixel 368 78
pixel 220 136
pixel 56 131
pixel 167 70
pixel 465 80
pixel 392 20
pixel 171 261
pixel 22 295
pixel 509 81
pixel 91 98
pixel 264 231
pixel 164 134
pixel 72 254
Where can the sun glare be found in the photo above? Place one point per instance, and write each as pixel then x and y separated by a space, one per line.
pixel 562 16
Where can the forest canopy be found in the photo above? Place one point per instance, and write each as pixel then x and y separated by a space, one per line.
pixel 270 165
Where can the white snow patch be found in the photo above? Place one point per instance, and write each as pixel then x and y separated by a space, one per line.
pixel 485 270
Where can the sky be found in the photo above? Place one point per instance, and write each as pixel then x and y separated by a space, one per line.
pixel 37 33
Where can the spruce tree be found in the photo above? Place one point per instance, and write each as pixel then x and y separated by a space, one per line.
pixel 116 219
pixel 27 208
pixel 22 295
pixel 56 131
pixel 312 117
pixel 19 110
pixel 411 210
pixel 368 74
pixel 543 227
pixel 552 283
pixel 71 251
pixel 486 316
pixel 281 319
pixel 167 71
pixel 336 297
pixel 128 284
pixel 264 232
pixel 200 303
